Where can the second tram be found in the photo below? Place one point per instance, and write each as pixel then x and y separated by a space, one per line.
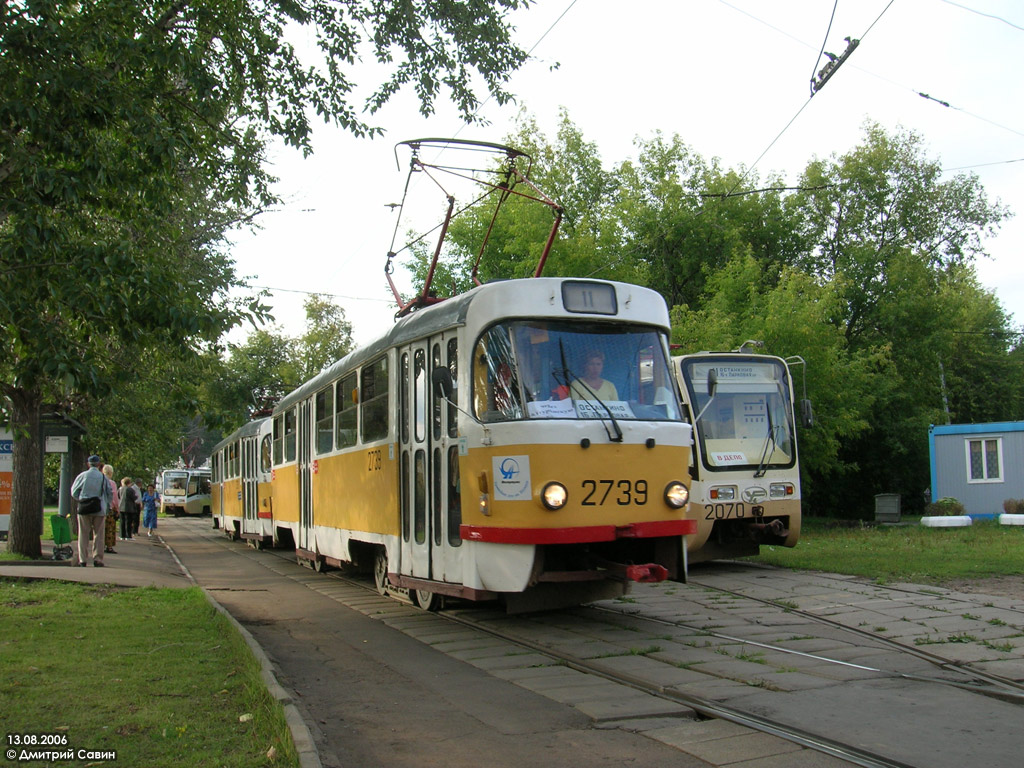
pixel 745 472
pixel 185 492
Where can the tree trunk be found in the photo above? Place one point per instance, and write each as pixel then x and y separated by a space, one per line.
pixel 27 487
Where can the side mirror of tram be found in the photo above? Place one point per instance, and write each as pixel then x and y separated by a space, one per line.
pixel 441 378
pixel 806 414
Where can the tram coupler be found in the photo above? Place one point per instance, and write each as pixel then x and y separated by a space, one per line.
pixel 650 573
pixel 758 531
pixel 645 573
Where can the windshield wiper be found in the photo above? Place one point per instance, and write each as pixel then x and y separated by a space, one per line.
pixel 768 441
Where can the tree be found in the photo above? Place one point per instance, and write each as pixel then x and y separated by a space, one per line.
pixel 132 138
pixel 795 317
pixel 328 336
pixel 901 239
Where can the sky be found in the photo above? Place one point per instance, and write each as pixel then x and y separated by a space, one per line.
pixel 732 79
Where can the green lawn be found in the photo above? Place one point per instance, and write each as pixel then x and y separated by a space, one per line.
pixel 908 552
pixel 157 675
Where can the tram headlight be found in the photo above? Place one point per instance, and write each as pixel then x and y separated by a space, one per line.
pixel 554 496
pixel 780 490
pixel 676 494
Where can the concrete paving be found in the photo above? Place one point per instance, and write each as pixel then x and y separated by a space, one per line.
pixel 329 657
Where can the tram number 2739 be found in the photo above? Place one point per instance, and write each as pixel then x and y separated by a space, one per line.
pixel 730 509
pixel 622 492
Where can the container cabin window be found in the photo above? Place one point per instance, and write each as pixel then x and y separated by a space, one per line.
pixel 347 399
pixel 374 407
pixel 279 439
pixel 985 460
pixel 289 434
pixel 325 420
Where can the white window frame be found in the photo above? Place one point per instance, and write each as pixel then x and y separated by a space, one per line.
pixel 999 453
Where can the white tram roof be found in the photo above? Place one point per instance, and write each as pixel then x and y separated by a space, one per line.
pixel 246 430
pixel 534 297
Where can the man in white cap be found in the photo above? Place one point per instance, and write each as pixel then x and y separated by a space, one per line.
pixel 92 491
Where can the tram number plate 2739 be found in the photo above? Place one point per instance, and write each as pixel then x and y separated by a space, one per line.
pixel 625 493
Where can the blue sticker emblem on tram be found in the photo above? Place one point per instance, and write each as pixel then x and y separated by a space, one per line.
pixel 511 478
pixel 509 469
pixel 6 446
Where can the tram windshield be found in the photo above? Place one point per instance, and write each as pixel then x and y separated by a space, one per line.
pixel 175 483
pixel 743 412
pixel 528 369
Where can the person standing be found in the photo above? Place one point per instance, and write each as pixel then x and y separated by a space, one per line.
pixel 110 525
pixel 92 492
pixel 150 498
pixel 131 502
pixel 137 485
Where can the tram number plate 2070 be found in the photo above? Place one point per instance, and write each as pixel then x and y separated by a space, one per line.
pixel 625 493
pixel 730 509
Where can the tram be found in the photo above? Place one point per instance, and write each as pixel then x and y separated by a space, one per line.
pixel 745 472
pixel 185 492
pixel 464 454
pixel 521 441
pixel 241 495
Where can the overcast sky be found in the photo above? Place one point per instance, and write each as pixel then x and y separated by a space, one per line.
pixel 727 77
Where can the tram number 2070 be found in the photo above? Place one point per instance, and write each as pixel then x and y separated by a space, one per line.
pixel 625 493
pixel 730 509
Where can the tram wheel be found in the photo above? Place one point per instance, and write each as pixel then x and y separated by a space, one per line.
pixel 380 570
pixel 428 601
pixel 319 565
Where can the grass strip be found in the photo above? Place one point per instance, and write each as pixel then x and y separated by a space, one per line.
pixel 157 675
pixel 905 553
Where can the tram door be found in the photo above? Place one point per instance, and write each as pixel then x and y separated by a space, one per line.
pixel 428 449
pixel 307 539
pixel 250 502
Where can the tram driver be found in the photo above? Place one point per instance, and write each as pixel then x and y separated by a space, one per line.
pixel 591 385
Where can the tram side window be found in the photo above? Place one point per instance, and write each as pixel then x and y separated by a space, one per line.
pixel 278 439
pixel 265 453
pixel 454 498
pixel 453 367
pixel 289 435
pixel 233 460
pixel 325 420
pixel 496 394
pixel 347 399
pixel 374 406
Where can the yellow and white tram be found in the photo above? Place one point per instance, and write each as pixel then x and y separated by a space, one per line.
pixel 465 454
pixel 241 494
pixel 745 471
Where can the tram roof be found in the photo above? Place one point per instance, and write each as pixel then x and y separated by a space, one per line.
pixel 246 430
pixel 424 322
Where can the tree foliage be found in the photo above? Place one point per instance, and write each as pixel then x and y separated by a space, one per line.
pixel 865 271
pixel 132 138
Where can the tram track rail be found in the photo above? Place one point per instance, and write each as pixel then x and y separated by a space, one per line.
pixel 1009 690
